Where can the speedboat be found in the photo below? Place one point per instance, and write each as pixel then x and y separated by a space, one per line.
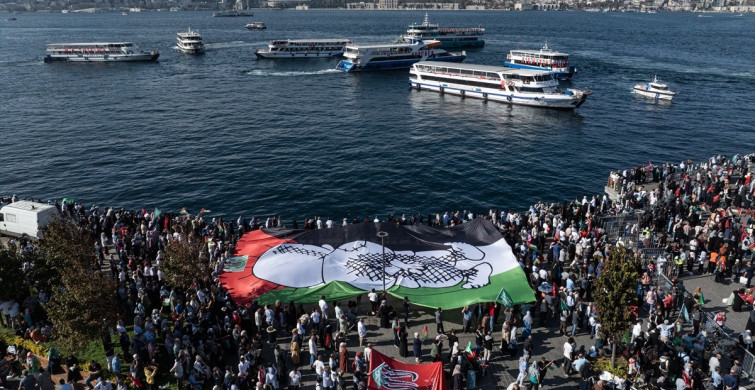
pixel 654 89
pixel 190 42
pixel 543 59
pixel 255 26
pixel 536 88
pixel 394 56
pixel 449 37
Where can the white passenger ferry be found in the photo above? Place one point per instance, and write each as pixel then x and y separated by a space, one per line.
pixel 228 14
pixel 304 48
pixel 255 26
pixel 394 56
pixel 495 83
pixel 190 42
pixel 543 59
pixel 449 37
pixel 98 52
pixel 654 89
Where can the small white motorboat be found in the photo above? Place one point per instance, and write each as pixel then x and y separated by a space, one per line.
pixel 654 89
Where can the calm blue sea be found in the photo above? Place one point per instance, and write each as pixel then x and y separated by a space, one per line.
pixel 237 135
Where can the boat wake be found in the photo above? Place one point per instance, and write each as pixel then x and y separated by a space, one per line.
pixel 227 45
pixel 264 72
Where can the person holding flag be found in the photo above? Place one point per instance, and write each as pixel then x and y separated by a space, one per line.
pixel 417 348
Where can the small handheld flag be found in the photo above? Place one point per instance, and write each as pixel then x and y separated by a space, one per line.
pixel 702 300
pixel 684 314
pixel 424 333
pixel 505 298
pixel 469 348
pixel 183 211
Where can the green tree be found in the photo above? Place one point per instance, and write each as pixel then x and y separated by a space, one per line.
pixel 84 299
pixel 185 262
pixel 12 283
pixel 614 293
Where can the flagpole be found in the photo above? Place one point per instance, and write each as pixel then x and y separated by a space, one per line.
pixel 382 236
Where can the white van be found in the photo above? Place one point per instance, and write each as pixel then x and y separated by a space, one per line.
pixel 26 217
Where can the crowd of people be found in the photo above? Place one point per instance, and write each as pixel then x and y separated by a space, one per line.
pixel 700 215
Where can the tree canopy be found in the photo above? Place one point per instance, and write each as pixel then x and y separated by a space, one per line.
pixel 185 262
pixel 83 299
pixel 615 292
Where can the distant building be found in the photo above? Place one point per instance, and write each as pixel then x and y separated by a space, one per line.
pixel 361 5
pixel 388 4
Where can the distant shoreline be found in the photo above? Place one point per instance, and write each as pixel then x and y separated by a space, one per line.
pixel 746 9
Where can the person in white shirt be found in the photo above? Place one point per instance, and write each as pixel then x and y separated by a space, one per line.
pixel 715 361
pixel 312 351
pixel 294 381
pixel 362 331
pixel 104 385
pixel 637 330
pixel 568 349
pixel 243 366
pixel 324 308
pixel 367 353
pixel 319 366
pixel 373 297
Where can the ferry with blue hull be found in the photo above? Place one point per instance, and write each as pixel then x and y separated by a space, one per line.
pixel 449 37
pixel 535 88
pixel 543 59
pixel 394 56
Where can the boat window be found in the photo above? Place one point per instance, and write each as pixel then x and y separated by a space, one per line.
pixel 530 89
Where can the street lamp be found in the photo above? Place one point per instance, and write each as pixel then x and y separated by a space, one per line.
pixel 382 236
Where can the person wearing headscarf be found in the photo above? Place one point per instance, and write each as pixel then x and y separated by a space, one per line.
pixel 343 358
pixel 417 348
pixel 403 349
pixel 295 347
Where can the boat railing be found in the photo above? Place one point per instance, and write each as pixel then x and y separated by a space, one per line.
pixel 461 30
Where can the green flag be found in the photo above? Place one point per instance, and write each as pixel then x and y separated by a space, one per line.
pixel 684 314
pixel 505 298
pixel 156 214
pixel 377 375
pixel 702 300
pixel 69 200
pixel 563 306
pixel 469 348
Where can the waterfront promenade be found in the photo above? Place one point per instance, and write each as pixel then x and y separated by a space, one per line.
pixel 717 195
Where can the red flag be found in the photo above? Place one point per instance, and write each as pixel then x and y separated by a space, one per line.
pixel 399 375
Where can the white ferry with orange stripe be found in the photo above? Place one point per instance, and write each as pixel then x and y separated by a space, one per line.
pixel 98 52
pixel 543 59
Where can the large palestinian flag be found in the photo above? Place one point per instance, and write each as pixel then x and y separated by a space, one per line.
pixel 446 268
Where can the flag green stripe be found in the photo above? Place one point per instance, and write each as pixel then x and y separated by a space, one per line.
pixel 513 280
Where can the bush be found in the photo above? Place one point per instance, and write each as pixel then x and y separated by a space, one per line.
pixel 10 338
pixel 603 363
